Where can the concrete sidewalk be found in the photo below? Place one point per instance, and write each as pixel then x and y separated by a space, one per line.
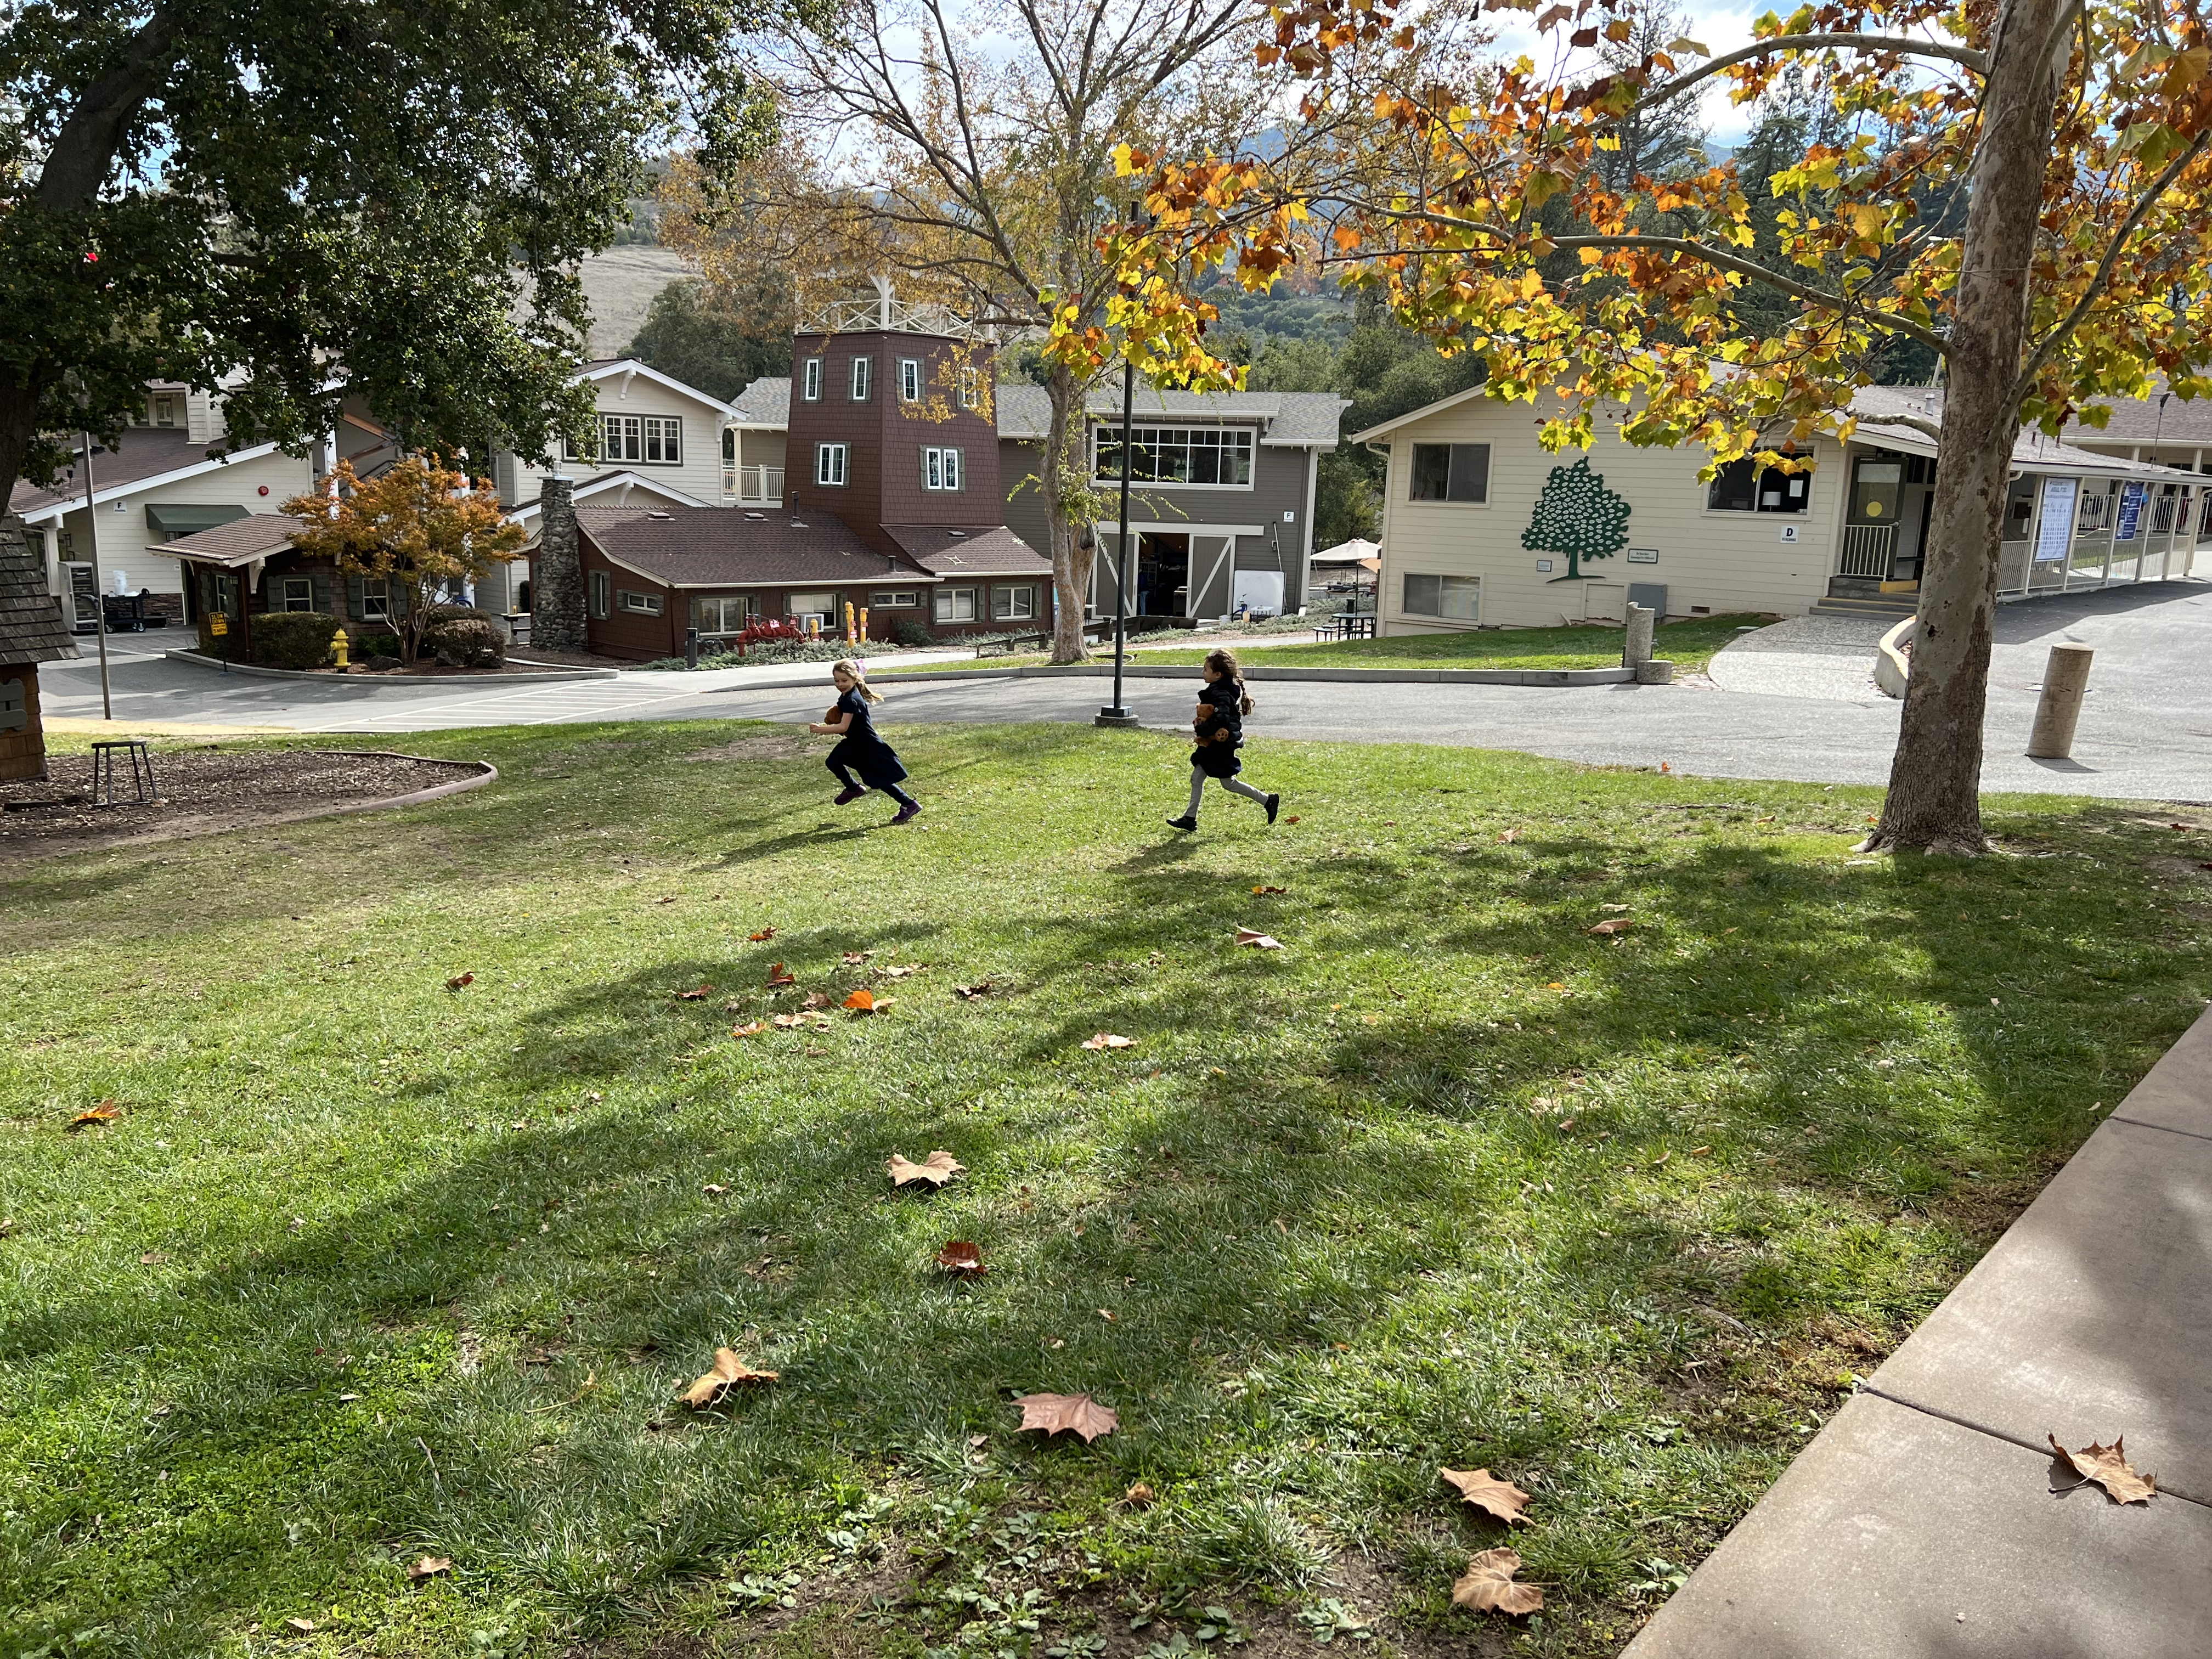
pixel 1921 1520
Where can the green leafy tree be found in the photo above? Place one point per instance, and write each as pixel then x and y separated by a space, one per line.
pixel 1578 516
pixel 693 333
pixel 293 200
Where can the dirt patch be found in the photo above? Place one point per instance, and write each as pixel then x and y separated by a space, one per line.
pixel 199 791
pixel 770 745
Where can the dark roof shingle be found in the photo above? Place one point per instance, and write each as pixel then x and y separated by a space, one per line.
pixel 31 626
pixel 241 541
pixel 731 547
pixel 947 552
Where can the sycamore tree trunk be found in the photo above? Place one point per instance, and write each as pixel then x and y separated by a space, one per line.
pixel 1065 461
pixel 1934 779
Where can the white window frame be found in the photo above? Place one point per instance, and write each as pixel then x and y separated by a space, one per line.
pixel 896 599
pixel 947 604
pixel 376 599
pixel 832 465
pixel 712 615
pixel 941 469
pixel 165 408
pixel 910 372
pixel 1489 459
pixel 1447 587
pixel 1004 606
pixel 664 441
pixel 602 592
pixel 796 606
pixel 971 386
pixel 809 379
pixel 1233 447
pixel 306 598
pixel 633 603
pixel 864 378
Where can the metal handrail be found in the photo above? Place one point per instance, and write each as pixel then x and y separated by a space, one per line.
pixel 1868 550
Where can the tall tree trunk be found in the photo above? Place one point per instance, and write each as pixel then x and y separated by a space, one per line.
pixel 19 424
pixel 1934 779
pixel 1071 553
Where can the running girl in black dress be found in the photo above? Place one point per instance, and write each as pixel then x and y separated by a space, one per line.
pixel 859 749
pixel 1218 726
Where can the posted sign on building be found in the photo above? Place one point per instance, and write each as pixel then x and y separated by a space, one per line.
pixel 2054 533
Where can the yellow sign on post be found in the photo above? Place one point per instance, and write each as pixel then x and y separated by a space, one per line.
pixel 218 625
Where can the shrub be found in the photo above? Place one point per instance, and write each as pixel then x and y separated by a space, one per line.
pixel 469 640
pixel 909 632
pixel 293 638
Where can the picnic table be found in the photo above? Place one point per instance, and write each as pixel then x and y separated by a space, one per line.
pixel 1345 625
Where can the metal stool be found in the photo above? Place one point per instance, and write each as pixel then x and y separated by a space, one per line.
pixel 103 770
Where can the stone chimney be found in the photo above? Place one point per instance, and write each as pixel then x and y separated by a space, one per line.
pixel 556 599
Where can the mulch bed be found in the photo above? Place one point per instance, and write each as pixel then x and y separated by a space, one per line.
pixel 202 790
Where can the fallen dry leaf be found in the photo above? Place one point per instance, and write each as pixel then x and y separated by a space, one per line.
pixel 714 1189
pixel 1258 941
pixel 1509 836
pixel 2108 1467
pixel 1611 925
pixel 982 987
pixel 694 996
pixel 1501 1499
pixel 670 899
pixel 459 980
pixel 1107 1040
pixel 862 1002
pixel 777 976
pixel 1139 1496
pixel 153 1258
pixel 729 1370
pixel 753 1028
pixel 817 999
pixel 104 1111
pixel 431 1566
pixel 1489 1586
pixel 1070 1413
pixel 963 1259
pixel 854 958
pixel 937 1169
pixel 1270 889
pixel 1292 818
pixel 897 973
pixel 1616 908
pixel 792 1022
pixel 305 1626
pixel 762 937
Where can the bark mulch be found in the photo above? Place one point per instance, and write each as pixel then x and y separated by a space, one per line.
pixel 200 791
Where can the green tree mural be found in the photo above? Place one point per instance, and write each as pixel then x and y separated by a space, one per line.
pixel 1578 516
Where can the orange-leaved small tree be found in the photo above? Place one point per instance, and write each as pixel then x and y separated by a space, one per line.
pixel 424 530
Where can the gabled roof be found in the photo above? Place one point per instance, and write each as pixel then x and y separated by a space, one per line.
pixel 31 626
pixel 716 547
pixel 143 458
pixel 621 370
pixel 1287 420
pixel 242 541
pixel 950 553
pixel 621 484
pixel 766 402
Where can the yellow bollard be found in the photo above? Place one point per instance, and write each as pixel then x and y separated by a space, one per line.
pixel 338 650
pixel 864 621
pixel 848 621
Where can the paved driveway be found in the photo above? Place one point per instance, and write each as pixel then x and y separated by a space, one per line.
pixel 2146 727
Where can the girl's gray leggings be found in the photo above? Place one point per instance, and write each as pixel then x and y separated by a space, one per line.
pixel 1234 785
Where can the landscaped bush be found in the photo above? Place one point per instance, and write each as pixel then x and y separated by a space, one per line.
pixel 292 639
pixel 469 639
pixel 912 632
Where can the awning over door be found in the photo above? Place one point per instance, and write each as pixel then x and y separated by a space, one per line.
pixel 171 522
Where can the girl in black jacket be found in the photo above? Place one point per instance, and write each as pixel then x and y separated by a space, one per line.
pixel 1218 726
pixel 859 749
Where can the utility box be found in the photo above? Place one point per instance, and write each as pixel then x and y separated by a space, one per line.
pixel 1652 595
pixel 1262 590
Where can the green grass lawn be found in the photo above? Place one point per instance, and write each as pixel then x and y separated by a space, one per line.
pixel 1689 645
pixel 368 1269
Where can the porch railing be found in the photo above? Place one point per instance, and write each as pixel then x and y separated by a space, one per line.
pixel 1868 550
pixel 752 486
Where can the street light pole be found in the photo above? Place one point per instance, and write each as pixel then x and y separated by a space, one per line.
pixel 99 599
pixel 1117 713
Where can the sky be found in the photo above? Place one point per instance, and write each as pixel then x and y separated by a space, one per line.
pixel 1718 27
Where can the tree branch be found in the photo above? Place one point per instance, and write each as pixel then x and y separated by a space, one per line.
pixel 2064 331
pixel 1903 44
pixel 84 151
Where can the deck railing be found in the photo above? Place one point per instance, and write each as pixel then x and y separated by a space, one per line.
pixel 1868 549
pixel 752 486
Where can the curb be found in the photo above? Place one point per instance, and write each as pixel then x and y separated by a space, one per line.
pixel 255 671
pixel 436 792
pixel 1355 676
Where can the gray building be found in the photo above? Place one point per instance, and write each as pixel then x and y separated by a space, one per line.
pixel 1222 498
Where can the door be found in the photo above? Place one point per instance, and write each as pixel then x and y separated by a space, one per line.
pixel 1162 575
pixel 1870 530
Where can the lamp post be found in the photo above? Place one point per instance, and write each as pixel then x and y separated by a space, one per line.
pixel 1117 712
pixel 99 599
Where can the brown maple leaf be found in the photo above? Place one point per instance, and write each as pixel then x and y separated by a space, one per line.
pixel 2108 1467
pixel 1509 836
pixel 937 1169
pixel 1270 889
pixel 1107 1040
pixel 1488 1586
pixel 104 1111
pixel 776 976
pixel 694 996
pixel 854 958
pixel 1501 1499
pixel 817 999
pixel 862 1002
pixel 1609 926
pixel 461 979
pixel 431 1566
pixel 728 1371
pixel 1070 1413
pixel 1139 1496
pixel 751 1029
pixel 897 973
pixel 763 936
pixel 962 1260
pixel 1258 941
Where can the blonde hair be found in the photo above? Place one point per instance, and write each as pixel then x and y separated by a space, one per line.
pixel 859 676
pixel 1223 662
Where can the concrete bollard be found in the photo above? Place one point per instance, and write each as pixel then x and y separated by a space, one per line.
pixel 1637 646
pixel 2065 678
pixel 1655 670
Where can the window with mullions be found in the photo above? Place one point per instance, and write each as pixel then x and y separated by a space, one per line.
pixel 1450 472
pixel 909 380
pixel 1740 487
pixel 1179 455
pixel 829 464
pixel 809 379
pixel 1457 598
pixel 940 468
pixel 864 370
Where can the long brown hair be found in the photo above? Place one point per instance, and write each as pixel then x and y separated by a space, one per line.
pixel 859 678
pixel 1223 662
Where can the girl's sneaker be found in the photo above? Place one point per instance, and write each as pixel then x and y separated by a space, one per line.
pixel 1273 801
pixel 905 815
pixel 1183 823
pixel 849 794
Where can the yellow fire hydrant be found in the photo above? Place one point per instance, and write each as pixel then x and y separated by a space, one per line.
pixel 338 650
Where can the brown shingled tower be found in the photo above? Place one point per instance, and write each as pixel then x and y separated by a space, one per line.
pixel 31 632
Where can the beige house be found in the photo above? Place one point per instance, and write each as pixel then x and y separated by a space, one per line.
pixel 1467 475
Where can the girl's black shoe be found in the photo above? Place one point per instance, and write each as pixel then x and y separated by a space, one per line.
pixel 1273 801
pixel 1183 823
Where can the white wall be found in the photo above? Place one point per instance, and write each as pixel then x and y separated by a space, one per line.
pixel 124 535
pixel 1720 562
pixel 699 477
